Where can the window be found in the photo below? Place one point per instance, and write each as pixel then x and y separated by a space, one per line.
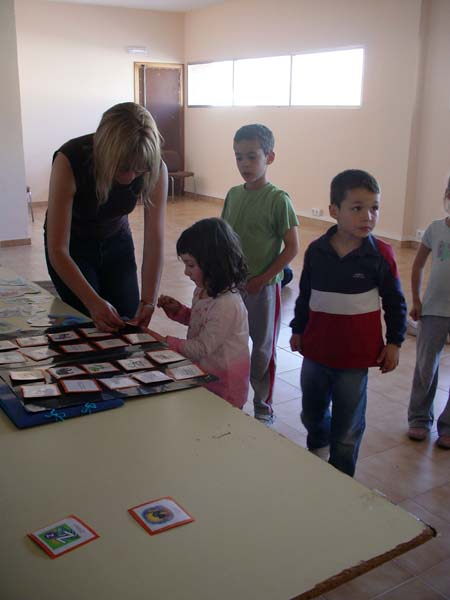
pixel 262 81
pixel 210 84
pixel 327 78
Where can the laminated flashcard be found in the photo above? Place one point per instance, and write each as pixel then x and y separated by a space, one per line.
pixel 63 336
pixel 28 375
pixel 118 383
pixel 42 390
pixel 101 367
pixel 35 340
pixel 39 353
pixel 149 377
pixel 76 348
pixel 63 536
pixel 110 344
pixel 80 386
pixel 160 515
pixel 93 332
pixel 7 345
pixel 165 356
pixel 65 371
pixel 139 338
pixel 135 364
pixel 185 372
pixel 7 358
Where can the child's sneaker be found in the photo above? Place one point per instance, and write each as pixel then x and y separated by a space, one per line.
pixel 418 434
pixel 265 418
pixel 443 441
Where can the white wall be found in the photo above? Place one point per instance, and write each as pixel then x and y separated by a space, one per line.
pixel 73 65
pixel 13 207
pixel 312 145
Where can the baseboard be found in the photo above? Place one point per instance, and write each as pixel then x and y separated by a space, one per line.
pixel 9 243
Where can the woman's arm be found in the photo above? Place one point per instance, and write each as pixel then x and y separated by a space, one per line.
pixel 416 280
pixel 153 252
pixel 59 219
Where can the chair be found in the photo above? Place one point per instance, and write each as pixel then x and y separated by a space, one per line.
pixel 174 166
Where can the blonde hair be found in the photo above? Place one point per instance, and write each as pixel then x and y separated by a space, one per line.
pixel 127 138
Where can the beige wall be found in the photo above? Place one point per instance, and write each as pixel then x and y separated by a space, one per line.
pixel 13 207
pixel 73 65
pixel 314 144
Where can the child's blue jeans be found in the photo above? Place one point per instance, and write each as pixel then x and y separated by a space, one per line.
pixel 342 426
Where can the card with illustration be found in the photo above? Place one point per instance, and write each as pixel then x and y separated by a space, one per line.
pixel 28 375
pixel 63 536
pixel 7 345
pixel 165 356
pixel 7 358
pixel 66 371
pixel 150 377
pixel 139 338
pixel 43 390
pixel 110 344
pixel 160 515
pixel 185 372
pixel 63 336
pixel 39 353
pixel 118 383
pixel 135 364
pixel 93 332
pixel 80 386
pixel 76 348
pixel 35 340
pixel 101 367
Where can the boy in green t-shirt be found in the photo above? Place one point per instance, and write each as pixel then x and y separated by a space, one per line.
pixel 263 217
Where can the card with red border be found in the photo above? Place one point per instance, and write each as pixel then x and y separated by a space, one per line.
pixel 118 383
pixel 63 336
pixel 165 356
pixel 139 338
pixel 65 371
pixel 80 386
pixel 160 515
pixel 135 364
pixel 76 348
pixel 63 536
pixel 7 345
pixel 101 367
pixel 7 358
pixel 28 375
pixel 185 372
pixel 39 353
pixel 93 332
pixel 153 376
pixel 40 390
pixel 35 340
pixel 109 344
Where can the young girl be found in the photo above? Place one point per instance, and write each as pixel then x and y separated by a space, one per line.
pixel 433 328
pixel 217 337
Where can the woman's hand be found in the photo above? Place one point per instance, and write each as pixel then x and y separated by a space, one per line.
pixel 169 305
pixel 105 316
pixel 143 315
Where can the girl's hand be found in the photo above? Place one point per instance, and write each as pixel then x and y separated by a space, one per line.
pixel 169 305
pixel 255 285
pixel 105 316
pixel 143 315
pixel 296 342
pixel 416 310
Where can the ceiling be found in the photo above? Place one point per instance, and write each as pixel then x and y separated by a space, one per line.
pixel 165 5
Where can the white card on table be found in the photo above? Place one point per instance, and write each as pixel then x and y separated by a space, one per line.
pixel 151 377
pixel 39 353
pixel 7 345
pixel 139 338
pixel 135 364
pixel 63 336
pixel 118 383
pixel 93 332
pixel 66 371
pixel 28 375
pixel 44 390
pixel 159 515
pixel 185 372
pixel 7 358
pixel 36 340
pixel 109 344
pixel 165 356
pixel 101 367
pixel 80 386
pixel 63 536
pixel 76 348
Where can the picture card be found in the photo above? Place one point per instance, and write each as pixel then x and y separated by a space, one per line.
pixel 76 348
pixel 111 343
pixel 43 390
pixel 28 375
pixel 63 336
pixel 186 372
pixel 80 386
pixel 93 332
pixel 135 364
pixel 7 358
pixel 139 338
pixel 160 515
pixel 36 340
pixel 39 353
pixel 63 536
pixel 7 345
pixel 118 383
pixel 66 371
pixel 101 367
pixel 165 356
pixel 150 377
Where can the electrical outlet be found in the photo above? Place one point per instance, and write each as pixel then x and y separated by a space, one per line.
pixel 317 212
pixel 419 234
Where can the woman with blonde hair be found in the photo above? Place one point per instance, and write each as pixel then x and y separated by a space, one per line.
pixel 95 183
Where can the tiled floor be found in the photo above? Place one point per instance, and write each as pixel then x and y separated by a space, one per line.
pixel 414 475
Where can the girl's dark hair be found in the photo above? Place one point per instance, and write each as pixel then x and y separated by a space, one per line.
pixel 217 250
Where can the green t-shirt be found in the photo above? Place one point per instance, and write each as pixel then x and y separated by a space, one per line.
pixel 261 219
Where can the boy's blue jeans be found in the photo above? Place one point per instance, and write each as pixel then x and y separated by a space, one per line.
pixel 343 426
